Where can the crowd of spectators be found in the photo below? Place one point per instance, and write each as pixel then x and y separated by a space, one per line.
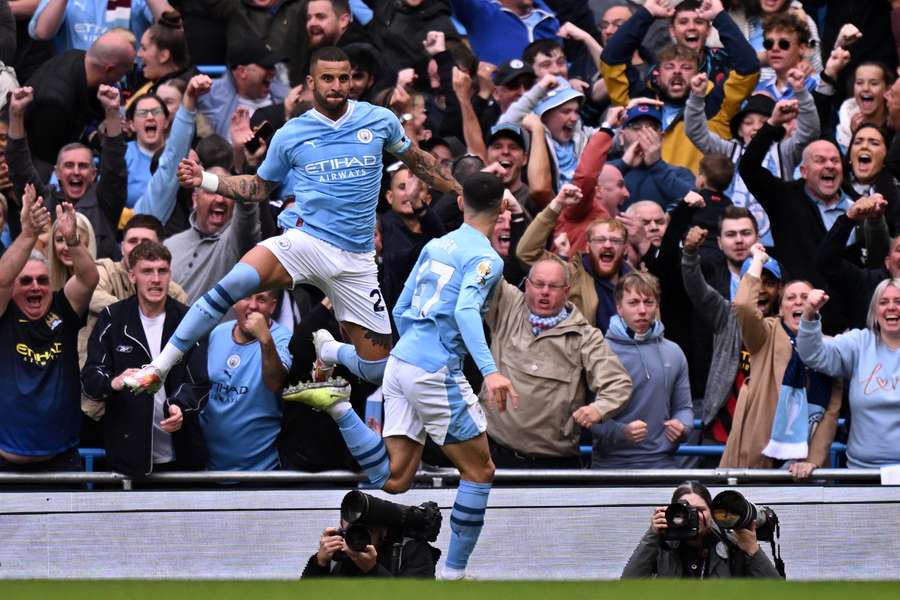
pixel 703 224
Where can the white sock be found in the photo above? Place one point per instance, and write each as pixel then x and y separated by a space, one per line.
pixel 168 358
pixel 339 409
pixel 329 351
pixel 451 574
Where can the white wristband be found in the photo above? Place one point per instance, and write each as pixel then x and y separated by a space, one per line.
pixel 210 182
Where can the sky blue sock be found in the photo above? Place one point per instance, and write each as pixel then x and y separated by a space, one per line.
pixel 209 309
pixel 366 446
pixel 370 370
pixel 466 521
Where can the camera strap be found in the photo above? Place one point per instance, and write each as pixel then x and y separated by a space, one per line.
pixel 776 551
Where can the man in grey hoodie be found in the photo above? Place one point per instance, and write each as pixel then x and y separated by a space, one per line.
pixel 660 414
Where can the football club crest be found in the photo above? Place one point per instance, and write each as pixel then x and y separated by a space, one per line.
pixel 484 271
pixel 364 135
pixel 233 362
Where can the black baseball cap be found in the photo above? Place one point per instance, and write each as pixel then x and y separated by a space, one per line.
pixel 511 131
pixel 510 70
pixel 250 50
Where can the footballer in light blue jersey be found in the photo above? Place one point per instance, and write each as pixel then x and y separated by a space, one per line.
pixel 336 171
pixel 333 156
pixel 439 314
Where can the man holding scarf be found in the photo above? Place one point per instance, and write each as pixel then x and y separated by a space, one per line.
pixel 546 347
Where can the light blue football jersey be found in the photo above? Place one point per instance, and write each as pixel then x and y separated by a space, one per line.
pixel 336 171
pixel 439 314
pixel 242 419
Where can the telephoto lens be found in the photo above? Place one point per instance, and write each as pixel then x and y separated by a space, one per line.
pixel 731 510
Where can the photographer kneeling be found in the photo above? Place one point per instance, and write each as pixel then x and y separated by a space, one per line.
pixel 378 538
pixel 685 541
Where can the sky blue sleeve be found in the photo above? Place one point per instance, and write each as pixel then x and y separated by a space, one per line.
pixel 32 24
pixel 361 12
pixel 162 191
pixel 275 166
pixel 282 338
pixel 479 280
pixel 395 140
pixel 835 356
pixel 141 18
pixel 405 300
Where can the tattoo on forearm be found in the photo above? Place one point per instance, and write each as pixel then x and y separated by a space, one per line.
pixel 379 339
pixel 245 188
pixel 428 169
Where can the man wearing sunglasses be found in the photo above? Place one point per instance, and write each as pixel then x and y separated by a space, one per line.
pixel 786 42
pixel 677 64
pixel 41 401
pixel 546 347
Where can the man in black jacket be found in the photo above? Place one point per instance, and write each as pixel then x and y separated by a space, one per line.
pixel 100 201
pixel 144 437
pixel 405 229
pixel 65 92
pixel 852 284
pixel 801 212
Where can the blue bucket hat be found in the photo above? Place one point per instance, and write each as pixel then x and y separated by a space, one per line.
pixel 558 96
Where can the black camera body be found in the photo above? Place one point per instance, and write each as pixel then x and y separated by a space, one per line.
pixel 356 536
pixel 682 521
pixel 731 510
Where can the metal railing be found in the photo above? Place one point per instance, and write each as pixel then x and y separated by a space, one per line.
pixel 442 477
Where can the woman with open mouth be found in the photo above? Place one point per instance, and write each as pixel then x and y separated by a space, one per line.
pixel 58 251
pixel 870 82
pixel 867 176
pixel 870 360
pixel 787 414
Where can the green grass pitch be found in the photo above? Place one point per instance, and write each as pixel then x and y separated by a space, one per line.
pixel 437 590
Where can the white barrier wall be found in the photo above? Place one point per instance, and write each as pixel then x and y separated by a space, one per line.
pixel 841 532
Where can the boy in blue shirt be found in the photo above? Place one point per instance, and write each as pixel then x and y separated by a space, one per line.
pixel 334 153
pixel 439 316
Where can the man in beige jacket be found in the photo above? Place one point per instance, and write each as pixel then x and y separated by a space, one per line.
pixel 553 356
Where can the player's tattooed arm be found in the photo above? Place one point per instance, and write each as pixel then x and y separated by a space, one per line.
pixel 427 168
pixel 246 188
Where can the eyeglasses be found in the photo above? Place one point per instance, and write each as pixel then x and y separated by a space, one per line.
pixel 600 240
pixel 553 287
pixel 783 44
pixel 26 280
pixel 143 112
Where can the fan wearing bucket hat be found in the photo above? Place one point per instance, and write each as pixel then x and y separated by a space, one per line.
pixel 782 158
pixel 647 175
pixel 250 83
pixel 557 104
pixel 677 64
